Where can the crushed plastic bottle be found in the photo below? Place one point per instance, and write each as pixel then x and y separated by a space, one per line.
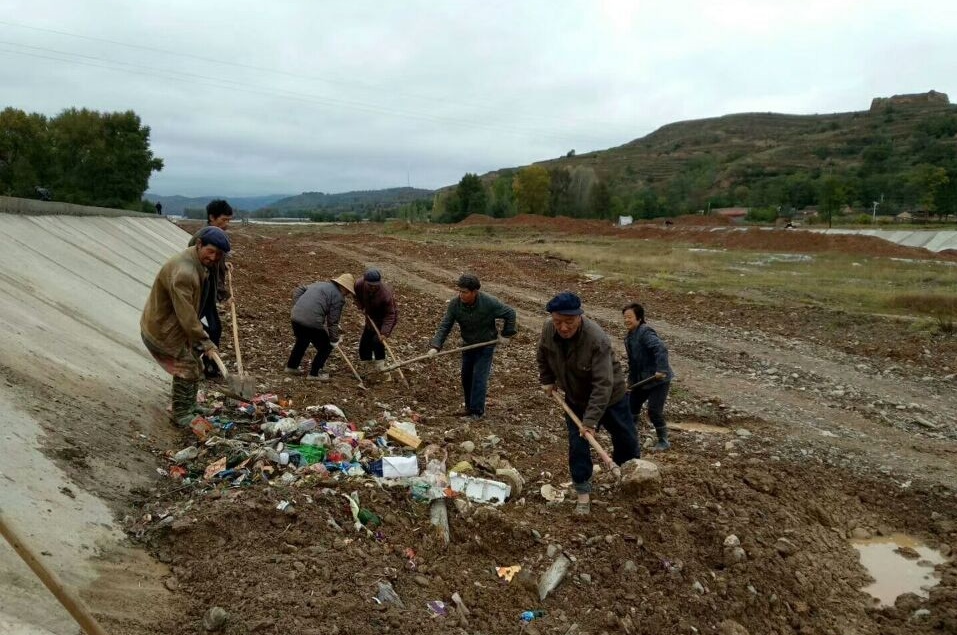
pixel 528 616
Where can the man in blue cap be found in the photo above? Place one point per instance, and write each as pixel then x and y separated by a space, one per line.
pixel 170 326
pixel 476 314
pixel 575 354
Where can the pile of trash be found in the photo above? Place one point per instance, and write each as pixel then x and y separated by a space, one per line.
pixel 266 442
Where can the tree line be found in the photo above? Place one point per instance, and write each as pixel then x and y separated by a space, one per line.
pixel 79 156
pixel 913 173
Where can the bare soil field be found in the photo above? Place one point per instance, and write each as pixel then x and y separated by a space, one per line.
pixel 838 426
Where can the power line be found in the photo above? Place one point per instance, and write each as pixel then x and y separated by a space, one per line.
pixel 352 83
pixel 205 80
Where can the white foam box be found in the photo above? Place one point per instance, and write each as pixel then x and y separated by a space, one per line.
pixel 480 490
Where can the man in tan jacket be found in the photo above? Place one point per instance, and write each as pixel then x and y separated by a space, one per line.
pixel 170 324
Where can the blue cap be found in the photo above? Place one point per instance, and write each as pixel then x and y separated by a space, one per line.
pixel 214 236
pixel 372 275
pixel 565 303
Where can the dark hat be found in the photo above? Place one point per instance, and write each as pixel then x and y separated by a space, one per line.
pixel 214 236
pixel 469 281
pixel 372 275
pixel 565 303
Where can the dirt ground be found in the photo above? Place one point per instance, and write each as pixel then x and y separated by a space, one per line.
pixel 833 426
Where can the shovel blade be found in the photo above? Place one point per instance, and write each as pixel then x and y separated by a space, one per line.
pixel 243 385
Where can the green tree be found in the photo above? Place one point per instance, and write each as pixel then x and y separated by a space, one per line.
pixel 24 153
pixel 646 204
pixel 471 196
pixel 833 194
pixel 531 190
pixel 101 158
pixel 600 201
pixel 927 180
pixel 560 201
pixel 502 203
pixel 582 180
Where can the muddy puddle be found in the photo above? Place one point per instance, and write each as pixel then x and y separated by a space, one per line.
pixel 886 560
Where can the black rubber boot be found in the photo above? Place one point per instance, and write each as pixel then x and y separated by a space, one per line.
pixel 662 444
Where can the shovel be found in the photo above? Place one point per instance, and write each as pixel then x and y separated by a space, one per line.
pixel 243 384
pixel 395 360
pixel 235 383
pixel 427 356
pixel 352 368
pixel 70 600
pixel 642 382
pixel 589 436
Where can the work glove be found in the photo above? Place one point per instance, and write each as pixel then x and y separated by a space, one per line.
pixel 336 342
pixel 433 352
pixel 504 340
pixel 660 375
pixel 548 389
pixel 208 347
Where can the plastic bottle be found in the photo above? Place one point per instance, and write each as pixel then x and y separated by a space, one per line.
pixel 528 616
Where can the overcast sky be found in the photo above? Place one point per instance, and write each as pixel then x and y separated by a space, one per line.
pixel 248 98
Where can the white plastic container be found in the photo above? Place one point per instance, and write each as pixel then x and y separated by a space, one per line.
pixel 480 490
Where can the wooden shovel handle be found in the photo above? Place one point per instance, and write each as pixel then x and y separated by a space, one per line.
pixel 351 367
pixel 213 355
pixel 585 433
pixel 232 309
pixel 439 354
pixel 395 359
pixel 70 602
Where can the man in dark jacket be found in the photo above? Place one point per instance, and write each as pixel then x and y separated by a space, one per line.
pixel 476 314
pixel 170 325
pixel 218 214
pixel 575 354
pixel 376 300
pixel 647 360
pixel 315 320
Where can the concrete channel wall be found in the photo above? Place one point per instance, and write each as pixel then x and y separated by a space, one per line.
pixel 73 281
pixel 927 239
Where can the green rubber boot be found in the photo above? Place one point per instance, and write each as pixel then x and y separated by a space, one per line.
pixel 184 401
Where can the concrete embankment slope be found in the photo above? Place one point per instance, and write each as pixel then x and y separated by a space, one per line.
pixel 77 385
pixel 926 239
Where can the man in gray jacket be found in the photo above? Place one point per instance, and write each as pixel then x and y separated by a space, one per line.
pixel 476 314
pixel 315 320
pixel 575 354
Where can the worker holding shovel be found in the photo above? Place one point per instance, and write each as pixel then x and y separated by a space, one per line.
pixel 376 300
pixel 476 314
pixel 218 214
pixel 315 320
pixel 575 354
pixel 170 326
pixel 649 372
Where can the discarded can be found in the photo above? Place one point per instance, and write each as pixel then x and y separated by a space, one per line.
pixel 528 616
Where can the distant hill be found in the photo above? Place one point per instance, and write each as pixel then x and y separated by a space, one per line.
pixel 176 204
pixel 358 204
pixel 886 153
